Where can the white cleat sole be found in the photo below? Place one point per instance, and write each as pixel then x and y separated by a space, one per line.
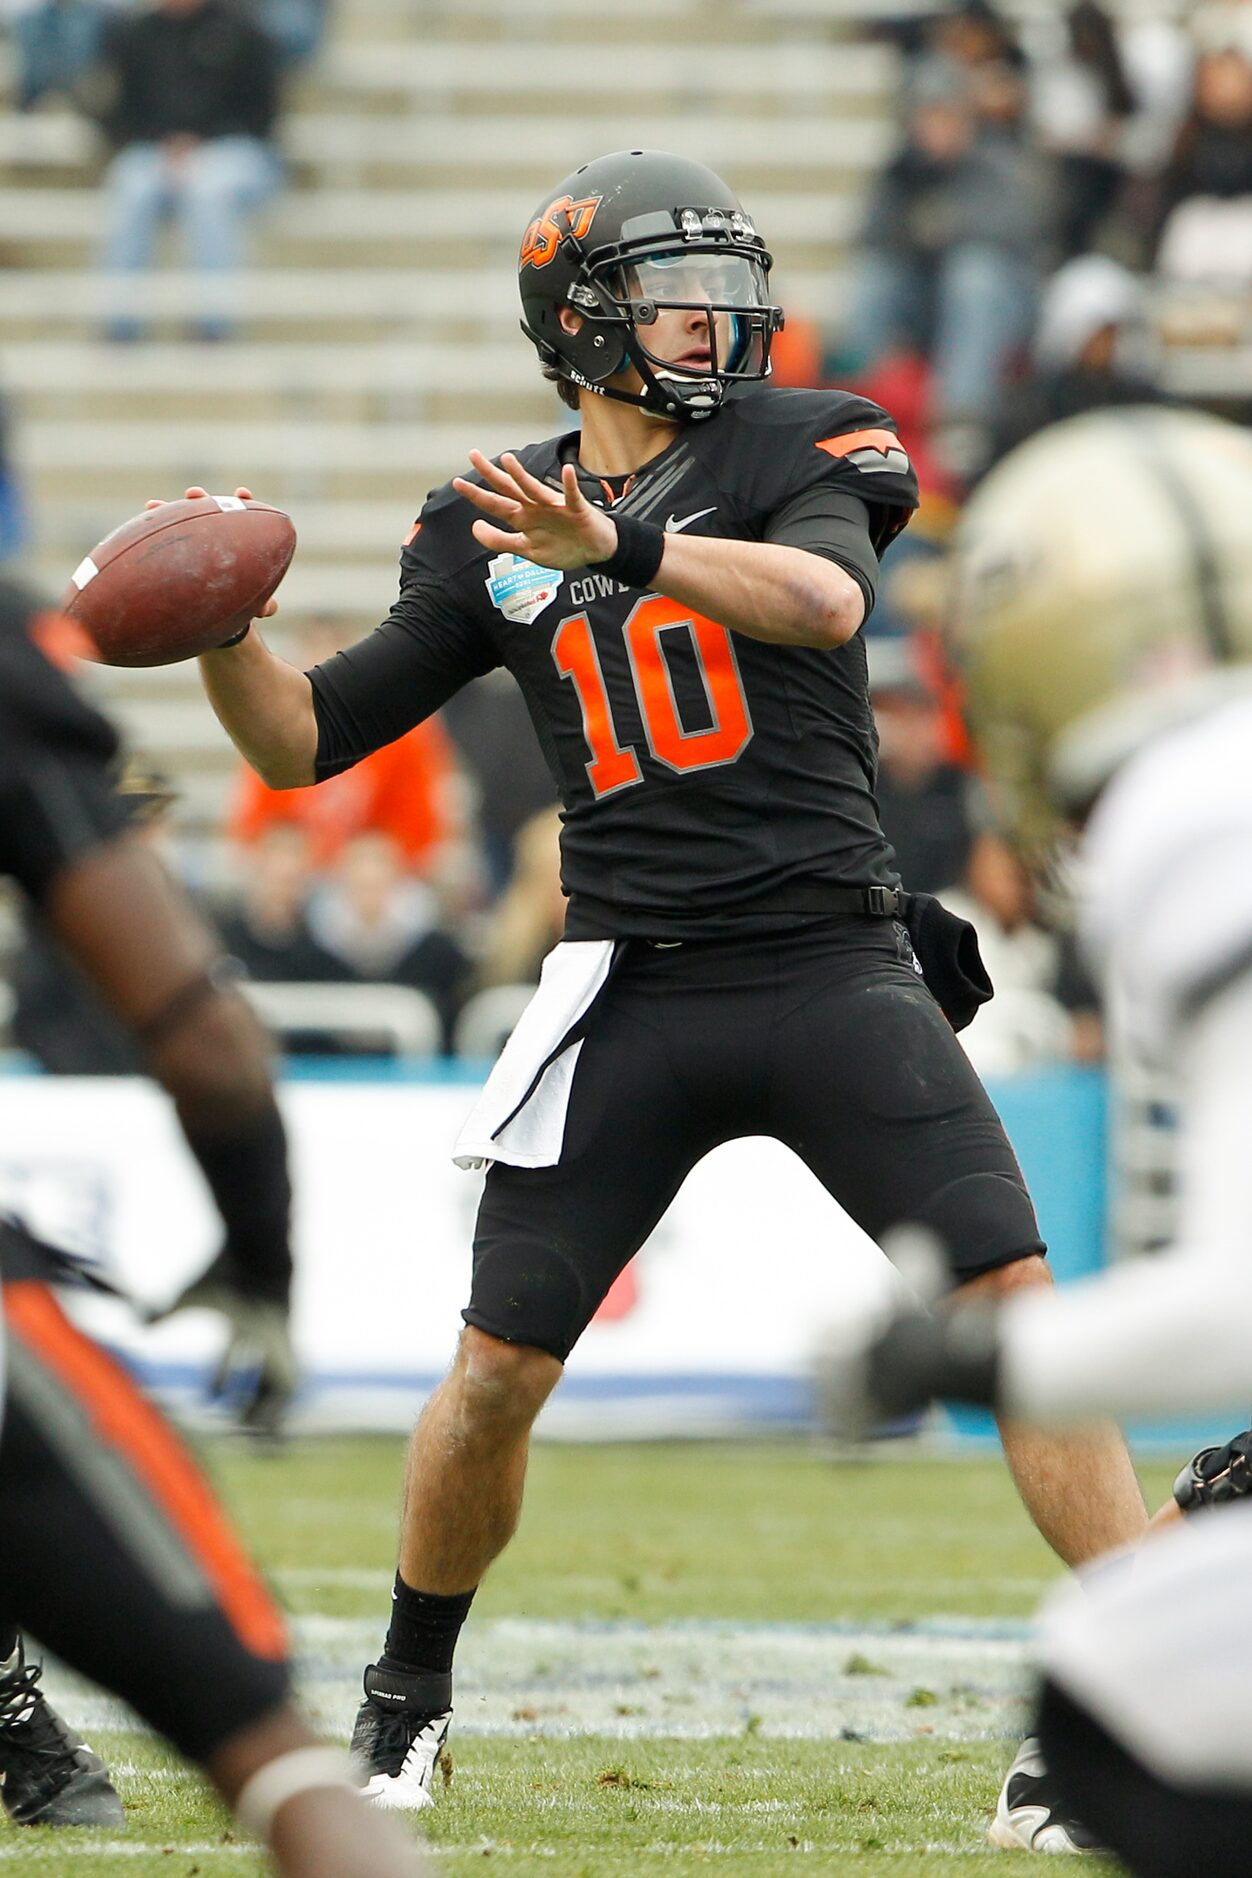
pixel 390 1794
pixel 1052 1839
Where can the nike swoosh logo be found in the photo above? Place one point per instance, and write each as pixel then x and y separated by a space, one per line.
pixel 674 527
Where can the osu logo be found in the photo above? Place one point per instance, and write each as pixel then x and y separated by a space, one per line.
pixel 542 238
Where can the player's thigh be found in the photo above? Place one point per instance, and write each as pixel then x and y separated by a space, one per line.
pixel 550 1241
pixel 876 1095
pixel 113 1551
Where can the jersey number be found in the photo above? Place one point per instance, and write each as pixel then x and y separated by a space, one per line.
pixel 614 766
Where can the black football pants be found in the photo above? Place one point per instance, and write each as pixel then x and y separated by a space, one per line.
pixel 825 1038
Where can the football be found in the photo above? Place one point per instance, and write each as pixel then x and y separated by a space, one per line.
pixel 180 579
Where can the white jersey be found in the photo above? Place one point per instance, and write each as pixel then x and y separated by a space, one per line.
pixel 1166 874
pixel 1167 918
pixel 1156 1649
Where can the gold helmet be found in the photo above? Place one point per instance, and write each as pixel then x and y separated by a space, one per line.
pixel 1103 589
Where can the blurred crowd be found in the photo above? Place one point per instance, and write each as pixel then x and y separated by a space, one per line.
pixel 1066 198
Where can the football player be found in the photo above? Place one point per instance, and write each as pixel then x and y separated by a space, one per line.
pixel 678 587
pixel 1110 668
pixel 114 1552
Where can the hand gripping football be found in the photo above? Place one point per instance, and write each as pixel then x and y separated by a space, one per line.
pixel 180 579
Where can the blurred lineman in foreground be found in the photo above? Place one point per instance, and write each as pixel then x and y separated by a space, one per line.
pixel 1107 605
pixel 112 1549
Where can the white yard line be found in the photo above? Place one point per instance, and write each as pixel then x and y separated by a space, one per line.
pixel 956 1679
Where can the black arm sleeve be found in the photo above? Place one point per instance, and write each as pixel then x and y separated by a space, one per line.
pixel 830 522
pixel 377 690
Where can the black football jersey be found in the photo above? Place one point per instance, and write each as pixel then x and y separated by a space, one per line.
pixel 57 794
pixel 706 778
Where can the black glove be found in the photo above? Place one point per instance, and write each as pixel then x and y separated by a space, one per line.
pixel 914 1359
pixel 1216 1475
pixel 257 1374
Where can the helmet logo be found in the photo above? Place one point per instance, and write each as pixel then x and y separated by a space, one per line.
pixel 543 237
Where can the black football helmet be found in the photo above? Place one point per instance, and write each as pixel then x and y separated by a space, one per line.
pixel 628 236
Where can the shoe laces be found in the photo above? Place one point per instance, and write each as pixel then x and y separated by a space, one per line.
pixel 22 1706
pixel 394 1735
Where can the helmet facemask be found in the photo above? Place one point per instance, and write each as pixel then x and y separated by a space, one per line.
pixel 709 263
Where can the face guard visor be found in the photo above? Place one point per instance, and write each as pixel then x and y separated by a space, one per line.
pixel 726 300
pixel 701 294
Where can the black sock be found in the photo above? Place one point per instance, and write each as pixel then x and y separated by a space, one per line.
pixel 424 1628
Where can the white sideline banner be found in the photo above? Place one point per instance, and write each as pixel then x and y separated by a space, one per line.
pixel 712 1328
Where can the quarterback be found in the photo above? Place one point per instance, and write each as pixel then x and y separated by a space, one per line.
pixel 678 587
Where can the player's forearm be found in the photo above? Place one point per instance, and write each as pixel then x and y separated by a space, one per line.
pixel 784 596
pixel 266 708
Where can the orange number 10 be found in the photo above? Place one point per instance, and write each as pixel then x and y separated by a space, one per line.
pixel 614 767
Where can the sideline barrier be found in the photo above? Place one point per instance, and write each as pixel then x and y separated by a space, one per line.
pixel 712 1329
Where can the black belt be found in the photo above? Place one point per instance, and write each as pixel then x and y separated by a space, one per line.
pixel 815 897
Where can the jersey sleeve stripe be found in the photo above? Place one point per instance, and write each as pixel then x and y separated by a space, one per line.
pixel 885 441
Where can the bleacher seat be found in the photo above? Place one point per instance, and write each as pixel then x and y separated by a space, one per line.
pixel 401 1021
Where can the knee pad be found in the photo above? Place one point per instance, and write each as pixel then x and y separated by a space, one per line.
pixel 983 1220
pixel 530 1295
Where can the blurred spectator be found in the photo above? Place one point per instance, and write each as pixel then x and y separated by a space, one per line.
pixel 297 27
pixel 951 251
pixel 1025 1023
pixel 1082 102
pixel 529 916
pixel 409 790
pixel 382 924
pixel 268 931
pixel 190 99
pixel 56 43
pixel 14 519
pixel 495 738
pixel 1092 350
pixel 1159 57
pixel 923 797
pixel 962 45
pixel 1205 198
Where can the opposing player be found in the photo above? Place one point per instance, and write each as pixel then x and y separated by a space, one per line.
pixel 678 589
pixel 1110 663
pixel 112 1549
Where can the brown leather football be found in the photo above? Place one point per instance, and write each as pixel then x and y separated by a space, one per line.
pixel 179 580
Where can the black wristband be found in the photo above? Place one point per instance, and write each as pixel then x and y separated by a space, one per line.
pixel 248 1178
pixel 637 556
pixel 236 638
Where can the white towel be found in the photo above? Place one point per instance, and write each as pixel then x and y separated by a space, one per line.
pixel 520 1116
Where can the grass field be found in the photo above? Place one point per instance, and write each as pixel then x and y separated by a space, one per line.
pixel 694 1659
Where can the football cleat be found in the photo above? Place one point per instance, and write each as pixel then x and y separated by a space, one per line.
pixel 1030 1816
pixel 395 1743
pixel 49 1776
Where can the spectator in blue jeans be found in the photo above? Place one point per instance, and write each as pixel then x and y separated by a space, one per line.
pixel 949 265
pixel 192 111
pixel 55 43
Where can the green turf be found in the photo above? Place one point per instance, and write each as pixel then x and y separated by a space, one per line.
pixel 659 1533
pixel 653 1532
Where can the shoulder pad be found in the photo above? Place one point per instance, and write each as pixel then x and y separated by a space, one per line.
pixel 798 439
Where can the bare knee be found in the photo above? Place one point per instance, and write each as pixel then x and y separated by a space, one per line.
pixel 1022 1275
pixel 501 1385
